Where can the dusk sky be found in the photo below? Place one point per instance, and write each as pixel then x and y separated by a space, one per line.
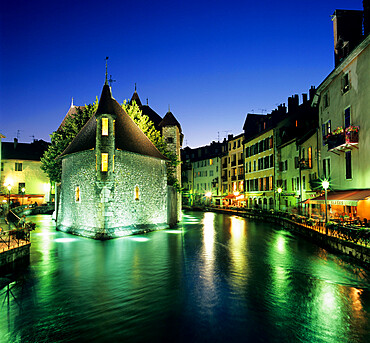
pixel 211 61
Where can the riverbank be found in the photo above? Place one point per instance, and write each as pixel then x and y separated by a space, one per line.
pixel 354 243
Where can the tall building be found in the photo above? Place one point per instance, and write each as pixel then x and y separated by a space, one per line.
pixel 344 138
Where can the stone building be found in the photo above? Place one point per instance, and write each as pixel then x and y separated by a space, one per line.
pixel 114 180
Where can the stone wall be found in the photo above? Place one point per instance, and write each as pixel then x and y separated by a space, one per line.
pixel 13 257
pixel 109 209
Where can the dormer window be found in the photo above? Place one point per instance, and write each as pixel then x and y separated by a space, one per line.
pixel 169 139
pixel 104 127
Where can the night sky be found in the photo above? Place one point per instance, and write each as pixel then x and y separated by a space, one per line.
pixel 211 61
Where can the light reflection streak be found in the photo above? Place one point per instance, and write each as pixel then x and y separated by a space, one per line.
pixel 238 258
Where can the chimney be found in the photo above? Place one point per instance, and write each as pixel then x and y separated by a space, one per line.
pixel 15 142
pixel 304 97
pixel 312 92
pixel 293 103
pixel 347 28
pixel 230 137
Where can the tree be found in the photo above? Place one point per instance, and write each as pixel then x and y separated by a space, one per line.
pixel 147 126
pixel 61 138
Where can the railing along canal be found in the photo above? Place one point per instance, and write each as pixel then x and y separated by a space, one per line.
pixel 13 234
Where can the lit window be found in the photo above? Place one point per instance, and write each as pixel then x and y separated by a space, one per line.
pixel 309 157
pixel 104 162
pixel 104 127
pixel 77 194
pixel 18 166
pixel 114 127
pixel 210 162
pixel 137 193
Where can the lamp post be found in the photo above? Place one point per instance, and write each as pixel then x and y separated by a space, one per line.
pixel 325 185
pixel 9 188
pixel 23 191
pixel 279 190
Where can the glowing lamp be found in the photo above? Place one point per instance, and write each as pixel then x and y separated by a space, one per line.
pixel 208 194
pixel 279 190
pixel 325 184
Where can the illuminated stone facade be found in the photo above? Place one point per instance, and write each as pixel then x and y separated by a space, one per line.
pixel 114 180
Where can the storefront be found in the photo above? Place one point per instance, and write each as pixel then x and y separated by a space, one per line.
pixel 342 205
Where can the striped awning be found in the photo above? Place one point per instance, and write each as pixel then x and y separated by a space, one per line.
pixel 348 197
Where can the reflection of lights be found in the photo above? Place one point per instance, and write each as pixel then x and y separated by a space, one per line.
pixel 356 300
pixel 208 232
pixel 280 244
pixel 139 239
pixel 65 240
pixel 237 226
pixel 173 231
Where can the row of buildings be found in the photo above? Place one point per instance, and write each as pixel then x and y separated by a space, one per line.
pixel 280 159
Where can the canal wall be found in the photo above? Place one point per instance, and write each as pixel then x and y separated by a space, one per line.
pixel 360 254
pixel 13 258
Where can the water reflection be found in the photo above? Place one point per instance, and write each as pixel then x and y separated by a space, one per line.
pixel 215 277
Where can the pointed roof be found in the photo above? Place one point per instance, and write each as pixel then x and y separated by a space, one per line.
pixel 153 115
pixel 128 136
pixel 135 97
pixel 71 113
pixel 170 120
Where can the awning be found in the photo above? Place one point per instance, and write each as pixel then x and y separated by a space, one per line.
pixel 348 198
pixel 230 196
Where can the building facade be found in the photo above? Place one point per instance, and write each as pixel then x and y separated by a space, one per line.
pixel 114 180
pixel 22 179
pixel 344 138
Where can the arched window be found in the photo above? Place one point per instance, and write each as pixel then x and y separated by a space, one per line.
pixel 137 193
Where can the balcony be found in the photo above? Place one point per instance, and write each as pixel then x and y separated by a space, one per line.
pixel 305 164
pixel 233 163
pixel 343 141
pixel 240 177
pixel 233 177
pixel 240 161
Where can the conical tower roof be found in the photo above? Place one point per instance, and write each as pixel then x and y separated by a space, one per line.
pixel 170 120
pixel 135 97
pixel 128 135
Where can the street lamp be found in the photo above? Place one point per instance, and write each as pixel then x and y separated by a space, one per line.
pixel 9 188
pixel 209 195
pixel 23 190
pixel 279 190
pixel 325 185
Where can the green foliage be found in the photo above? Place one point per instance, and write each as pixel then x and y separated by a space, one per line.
pixel 60 140
pixel 147 126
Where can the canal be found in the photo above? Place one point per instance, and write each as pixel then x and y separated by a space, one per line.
pixel 214 278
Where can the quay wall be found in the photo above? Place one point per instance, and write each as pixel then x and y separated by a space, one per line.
pixel 14 257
